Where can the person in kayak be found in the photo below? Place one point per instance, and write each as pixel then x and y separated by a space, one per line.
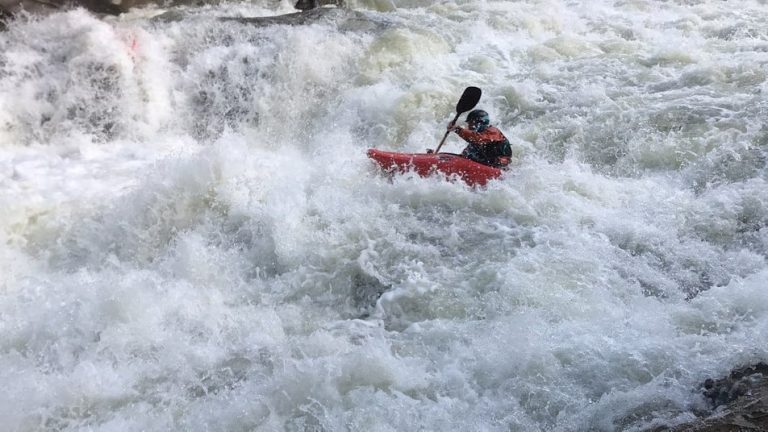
pixel 486 144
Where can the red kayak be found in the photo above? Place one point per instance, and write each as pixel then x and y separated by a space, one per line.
pixel 425 164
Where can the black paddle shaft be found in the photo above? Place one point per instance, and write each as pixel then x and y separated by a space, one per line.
pixel 468 100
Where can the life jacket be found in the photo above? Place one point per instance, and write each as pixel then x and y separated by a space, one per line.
pixel 489 146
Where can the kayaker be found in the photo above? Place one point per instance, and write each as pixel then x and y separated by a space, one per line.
pixel 487 145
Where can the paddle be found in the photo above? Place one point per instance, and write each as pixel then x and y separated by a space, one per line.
pixel 468 100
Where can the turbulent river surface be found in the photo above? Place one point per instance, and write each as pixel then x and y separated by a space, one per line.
pixel 192 238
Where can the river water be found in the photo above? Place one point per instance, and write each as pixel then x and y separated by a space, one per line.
pixel 193 238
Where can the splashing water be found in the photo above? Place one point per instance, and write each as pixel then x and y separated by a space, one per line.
pixel 193 238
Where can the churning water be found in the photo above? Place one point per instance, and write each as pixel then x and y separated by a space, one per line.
pixel 193 238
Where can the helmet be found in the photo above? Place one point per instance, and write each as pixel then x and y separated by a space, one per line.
pixel 480 118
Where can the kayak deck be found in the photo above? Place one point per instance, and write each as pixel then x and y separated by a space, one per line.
pixel 426 164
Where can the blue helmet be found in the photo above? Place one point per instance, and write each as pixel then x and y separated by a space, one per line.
pixel 479 118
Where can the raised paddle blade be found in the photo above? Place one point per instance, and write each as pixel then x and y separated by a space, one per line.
pixel 469 99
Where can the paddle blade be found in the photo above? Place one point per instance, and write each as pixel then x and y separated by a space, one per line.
pixel 469 99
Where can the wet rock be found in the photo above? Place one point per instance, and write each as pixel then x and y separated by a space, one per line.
pixel 724 392
pixel 739 402
pixel 9 8
pixel 43 7
pixel 314 4
pixel 344 19
pixel 312 11
pixel 170 16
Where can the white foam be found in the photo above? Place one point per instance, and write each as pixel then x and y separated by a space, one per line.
pixel 194 239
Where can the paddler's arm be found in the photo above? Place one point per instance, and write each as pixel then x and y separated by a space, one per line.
pixel 470 136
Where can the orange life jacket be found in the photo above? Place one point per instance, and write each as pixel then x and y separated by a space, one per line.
pixel 489 146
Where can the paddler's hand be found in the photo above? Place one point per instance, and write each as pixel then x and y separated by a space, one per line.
pixel 452 126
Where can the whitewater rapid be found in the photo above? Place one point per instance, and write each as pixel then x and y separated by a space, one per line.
pixel 191 236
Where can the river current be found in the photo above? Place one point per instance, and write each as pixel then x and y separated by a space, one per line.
pixel 192 238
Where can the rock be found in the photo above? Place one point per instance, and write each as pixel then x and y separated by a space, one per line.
pixel 42 7
pixel 11 7
pixel 8 8
pixel 344 19
pixel 739 402
pixel 314 4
